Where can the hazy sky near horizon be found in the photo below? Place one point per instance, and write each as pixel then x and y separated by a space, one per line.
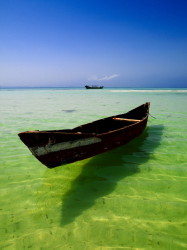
pixel 124 43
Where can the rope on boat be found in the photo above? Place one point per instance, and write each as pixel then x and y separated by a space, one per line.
pixel 151 115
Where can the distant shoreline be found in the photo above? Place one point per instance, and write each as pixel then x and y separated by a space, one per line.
pixel 114 90
pixel 128 88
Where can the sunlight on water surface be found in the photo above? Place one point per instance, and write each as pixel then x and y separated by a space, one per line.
pixel 134 197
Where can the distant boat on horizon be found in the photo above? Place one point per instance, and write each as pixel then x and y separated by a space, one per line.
pixel 94 87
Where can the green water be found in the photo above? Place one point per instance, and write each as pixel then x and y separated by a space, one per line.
pixel 134 197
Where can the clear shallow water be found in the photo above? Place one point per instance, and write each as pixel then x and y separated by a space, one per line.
pixel 134 197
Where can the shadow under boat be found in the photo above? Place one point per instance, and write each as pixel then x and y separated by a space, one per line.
pixel 101 173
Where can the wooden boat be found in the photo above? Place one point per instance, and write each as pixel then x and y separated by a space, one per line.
pixel 93 87
pixel 58 147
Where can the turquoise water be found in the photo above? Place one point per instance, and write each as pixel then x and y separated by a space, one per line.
pixel 134 197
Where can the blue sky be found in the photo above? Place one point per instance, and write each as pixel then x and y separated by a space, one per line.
pixel 121 43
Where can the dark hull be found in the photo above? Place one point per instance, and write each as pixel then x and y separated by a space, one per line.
pixel 94 87
pixel 54 148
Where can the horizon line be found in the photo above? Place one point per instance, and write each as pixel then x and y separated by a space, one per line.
pixel 80 87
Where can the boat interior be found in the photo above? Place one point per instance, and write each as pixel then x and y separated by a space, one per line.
pixel 102 126
pixel 111 123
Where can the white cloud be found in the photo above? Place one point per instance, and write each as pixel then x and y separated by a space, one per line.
pixel 104 78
